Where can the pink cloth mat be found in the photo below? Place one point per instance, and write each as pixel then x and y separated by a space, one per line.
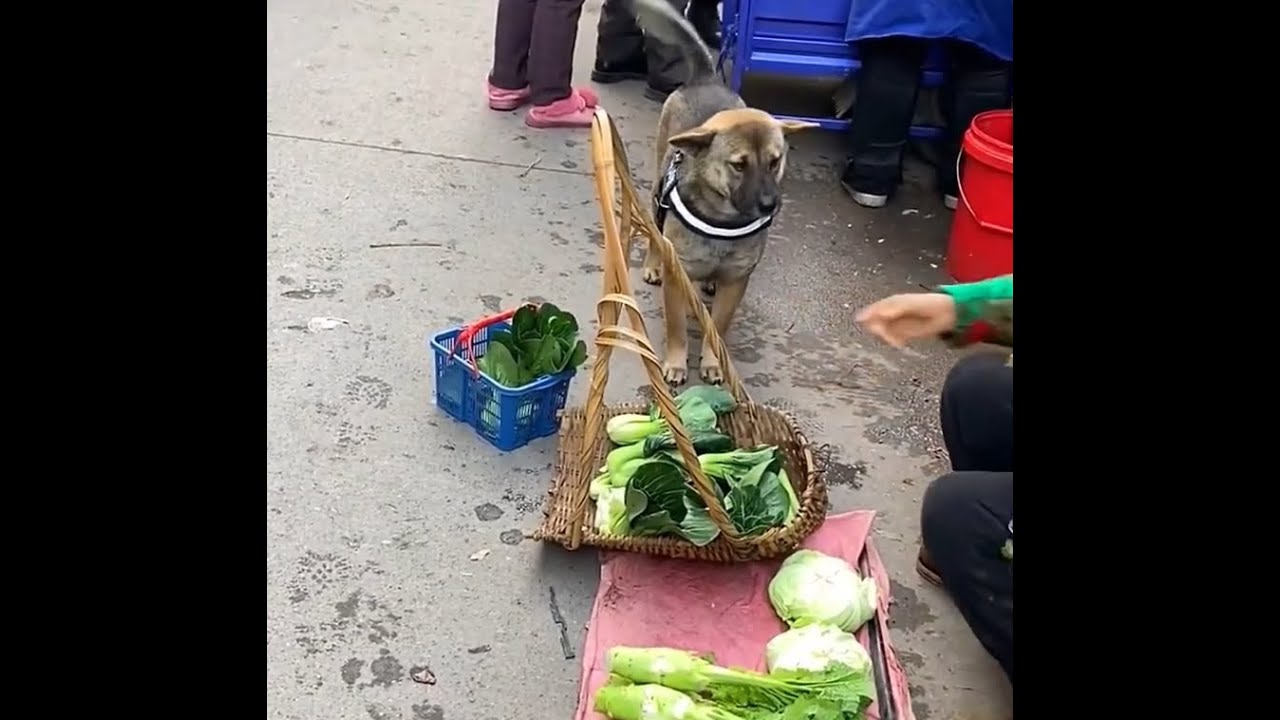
pixel 647 601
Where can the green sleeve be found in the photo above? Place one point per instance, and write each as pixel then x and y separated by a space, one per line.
pixel 989 301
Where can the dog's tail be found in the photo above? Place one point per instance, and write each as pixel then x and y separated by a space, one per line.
pixel 662 21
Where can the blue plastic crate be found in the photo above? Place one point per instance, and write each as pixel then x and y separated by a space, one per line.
pixel 524 413
pixel 804 39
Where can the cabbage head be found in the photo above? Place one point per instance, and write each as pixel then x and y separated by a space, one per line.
pixel 813 648
pixel 813 588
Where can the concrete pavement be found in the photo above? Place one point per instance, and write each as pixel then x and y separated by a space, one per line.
pixel 377 503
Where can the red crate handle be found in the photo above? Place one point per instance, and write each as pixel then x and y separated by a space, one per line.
pixel 465 336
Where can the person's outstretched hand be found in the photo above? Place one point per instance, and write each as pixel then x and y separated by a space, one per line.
pixel 900 319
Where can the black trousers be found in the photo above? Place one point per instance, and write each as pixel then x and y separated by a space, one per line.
pixel 966 514
pixel 620 41
pixel 887 86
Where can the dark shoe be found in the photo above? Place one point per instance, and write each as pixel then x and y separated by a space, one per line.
pixel 607 73
pixel 924 566
pixel 862 192
pixel 659 94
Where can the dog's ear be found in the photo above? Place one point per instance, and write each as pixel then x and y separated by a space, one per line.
pixel 792 126
pixel 693 141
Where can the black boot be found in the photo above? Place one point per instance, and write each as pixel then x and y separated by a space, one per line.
pixel 887 83
pixel 635 68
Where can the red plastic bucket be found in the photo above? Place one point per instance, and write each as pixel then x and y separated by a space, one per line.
pixel 981 242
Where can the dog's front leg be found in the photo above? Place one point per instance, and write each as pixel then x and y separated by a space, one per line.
pixel 723 305
pixel 675 314
pixel 652 265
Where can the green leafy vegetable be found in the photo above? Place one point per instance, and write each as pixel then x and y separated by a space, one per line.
pixel 500 364
pixel 732 466
pixel 695 414
pixel 629 429
pixel 793 502
pixel 797 696
pixel 812 588
pixel 598 485
pixel 719 399
pixel 756 492
pixel 541 341
pixel 704 441
pixel 660 502
pixel 620 456
pixel 654 702
pixel 611 512
pixel 757 501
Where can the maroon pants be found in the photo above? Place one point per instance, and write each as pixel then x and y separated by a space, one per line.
pixel 533 45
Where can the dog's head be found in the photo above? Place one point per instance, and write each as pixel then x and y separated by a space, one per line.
pixel 740 157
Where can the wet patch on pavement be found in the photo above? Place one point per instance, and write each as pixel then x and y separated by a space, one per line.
pixel 908 612
pixel 428 712
pixel 850 475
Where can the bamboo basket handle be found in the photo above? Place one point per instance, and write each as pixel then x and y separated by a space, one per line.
pixel 616 296
pixel 667 409
pixel 633 208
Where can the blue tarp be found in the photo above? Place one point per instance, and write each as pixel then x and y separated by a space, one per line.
pixel 985 23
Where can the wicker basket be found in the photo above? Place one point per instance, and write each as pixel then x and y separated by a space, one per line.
pixel 583 443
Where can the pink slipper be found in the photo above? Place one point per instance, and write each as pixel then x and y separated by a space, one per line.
pixel 503 99
pixel 575 111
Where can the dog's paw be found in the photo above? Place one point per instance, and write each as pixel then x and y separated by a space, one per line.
pixel 653 276
pixel 675 375
pixel 709 287
pixel 712 375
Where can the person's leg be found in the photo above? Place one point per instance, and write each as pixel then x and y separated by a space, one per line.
pixel 887 85
pixel 556 103
pixel 667 68
pixel 979 82
pixel 620 53
pixel 965 521
pixel 508 81
pixel 977 413
pixel 704 15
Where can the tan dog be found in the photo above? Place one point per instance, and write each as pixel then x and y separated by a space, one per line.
pixel 720 164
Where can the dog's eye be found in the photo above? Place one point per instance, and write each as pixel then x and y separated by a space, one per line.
pixel 738 165
pixel 774 163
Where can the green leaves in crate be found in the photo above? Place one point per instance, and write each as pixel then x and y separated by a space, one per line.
pixel 659 502
pixel 541 341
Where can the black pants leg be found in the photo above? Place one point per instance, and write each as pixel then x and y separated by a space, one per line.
pixel 704 15
pixel 966 514
pixel 619 44
pixel 979 82
pixel 667 68
pixel 977 414
pixel 887 85
pixel 623 52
